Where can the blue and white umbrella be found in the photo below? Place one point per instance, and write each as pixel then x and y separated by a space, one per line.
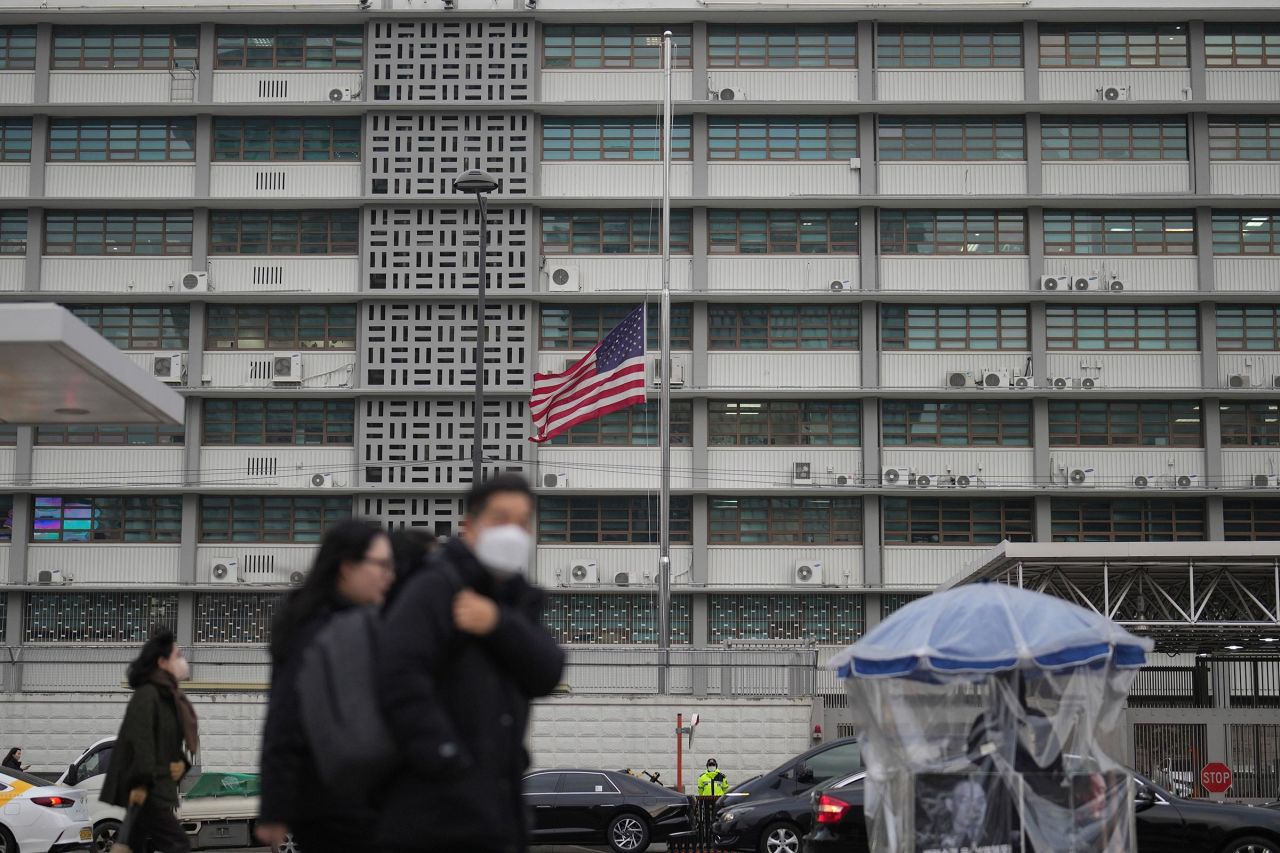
pixel 979 629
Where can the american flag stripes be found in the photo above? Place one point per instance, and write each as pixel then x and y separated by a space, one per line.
pixel 609 378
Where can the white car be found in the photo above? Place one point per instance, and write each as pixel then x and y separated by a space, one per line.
pixel 39 816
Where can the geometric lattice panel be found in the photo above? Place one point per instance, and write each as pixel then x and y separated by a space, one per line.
pixel 419 154
pixel 427 442
pixel 434 248
pixel 451 60
pixel 432 345
pixel 438 515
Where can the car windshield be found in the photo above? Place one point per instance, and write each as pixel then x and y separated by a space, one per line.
pixel 839 782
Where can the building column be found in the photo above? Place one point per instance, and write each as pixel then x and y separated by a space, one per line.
pixel 1206 277
pixel 868 169
pixel 698 437
pixel 35 247
pixel 700 236
pixel 700 147
pixel 39 155
pixel 1042 472
pixel 872 564
pixel 1199 66
pixel 700 527
pixel 185 631
pixel 1044 518
pixel 1035 165
pixel 188 571
pixel 866 44
pixel 1035 239
pixel 1038 328
pixel 20 538
pixel 14 606
pixel 868 249
pixel 1211 423
pixel 1215 527
pixel 204 72
pixel 698 60
pixel 200 239
pixel 1030 61
pixel 700 617
pixel 44 61
pixel 204 155
pixel 871 610
pixel 1209 345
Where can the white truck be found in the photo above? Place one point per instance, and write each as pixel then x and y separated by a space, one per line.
pixel 212 822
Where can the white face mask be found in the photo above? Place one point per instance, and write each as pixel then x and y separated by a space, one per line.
pixel 505 548
pixel 181 669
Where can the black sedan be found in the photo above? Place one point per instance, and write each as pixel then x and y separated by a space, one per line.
pixel 602 807
pixel 773 825
pixel 1164 822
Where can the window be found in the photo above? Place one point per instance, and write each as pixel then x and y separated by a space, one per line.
pixel 13 232
pixel 109 435
pixel 1121 520
pixel 95 764
pixel 1113 45
pixel 580 327
pixel 1113 139
pixel 634 426
pixel 1123 327
pixel 232 617
pixel 612 139
pixel 138 326
pixel 1252 233
pixel 827 619
pixel 1244 138
pixel 17 48
pixel 612 46
pixel 953 327
pixel 293 422
pixel 1255 423
pixel 1249 521
pixel 97 617
pixel 953 232
pixel 891 603
pixel 616 620
pixel 279 139
pixel 107 518
pixel 956 521
pixel 121 139
pixel 786 521
pixel 778 232
pixel 781 46
pixel 8 438
pixel 275 327
pixel 117 232
pixel 948 46
pixel 125 47
pixel 612 232
pixel 540 783
pixel 783 327
pixel 291 47
pixel 782 138
pixel 1078 232
pixel 632 520
pixel 952 139
pixel 270 519
pixel 1125 424
pixel 787 423
pixel 15 140
pixel 6 518
pixel 284 232
pixel 585 783
pixel 1242 45
pixel 932 423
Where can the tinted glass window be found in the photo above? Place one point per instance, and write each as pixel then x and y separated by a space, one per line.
pixel 541 783
pixel 94 765
pixel 841 759
pixel 586 783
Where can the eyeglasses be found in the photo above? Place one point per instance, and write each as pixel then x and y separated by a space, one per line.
pixel 384 564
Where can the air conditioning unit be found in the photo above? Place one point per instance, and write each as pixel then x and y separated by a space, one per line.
pixel 844 480
pixel 322 481
pixel 1145 481
pixel 925 481
pixel 1022 383
pixel 169 367
pixel 964 481
pixel 555 481
pixel 622 579
pixel 224 570
pixel 564 279
pixel 996 378
pixel 1055 282
pixel 841 285
pixel 1265 481
pixel 286 368
pixel 342 94
pixel 1186 481
pixel 729 94
pixel 194 282
pixel 1240 380
pixel 1085 282
pixel 1114 93
pixel 677 373
pixel 52 577
pixel 1275 381
pixel 807 574
pixel 1113 284
pixel 895 476
pixel 801 474
pixel 1081 477
pixel 1061 383
pixel 584 573
pixel 1084 383
pixel 961 379
pixel 297 578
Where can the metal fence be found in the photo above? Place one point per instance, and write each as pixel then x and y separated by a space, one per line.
pixel 1225 682
pixel 752 670
pixel 1171 754
pixel 1254 750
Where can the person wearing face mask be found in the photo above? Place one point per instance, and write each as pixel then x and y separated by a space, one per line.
pixel 157 744
pixel 354 567
pixel 462 652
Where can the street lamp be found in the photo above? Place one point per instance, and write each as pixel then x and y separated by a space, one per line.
pixel 481 183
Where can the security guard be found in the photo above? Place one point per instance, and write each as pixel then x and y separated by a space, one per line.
pixel 712 783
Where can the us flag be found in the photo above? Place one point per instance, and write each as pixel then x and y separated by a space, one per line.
pixel 609 378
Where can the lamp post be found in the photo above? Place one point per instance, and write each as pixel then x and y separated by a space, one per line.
pixel 481 183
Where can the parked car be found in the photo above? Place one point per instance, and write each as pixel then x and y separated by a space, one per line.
pixel 602 807
pixel 1164 822
pixel 38 815
pixel 765 825
pixel 800 774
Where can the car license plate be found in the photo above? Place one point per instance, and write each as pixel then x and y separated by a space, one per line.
pixel 86 834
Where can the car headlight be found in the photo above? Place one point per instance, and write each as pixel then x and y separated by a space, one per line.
pixel 728 817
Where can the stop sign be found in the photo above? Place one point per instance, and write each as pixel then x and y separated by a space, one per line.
pixel 1216 777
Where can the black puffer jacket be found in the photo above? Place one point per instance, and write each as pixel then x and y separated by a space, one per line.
pixel 458 707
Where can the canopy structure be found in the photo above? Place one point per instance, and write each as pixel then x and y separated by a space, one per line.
pixel 56 370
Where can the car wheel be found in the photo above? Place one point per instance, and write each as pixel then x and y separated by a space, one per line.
pixel 780 838
pixel 7 843
pixel 628 833
pixel 289 846
pixel 1251 844
pixel 104 835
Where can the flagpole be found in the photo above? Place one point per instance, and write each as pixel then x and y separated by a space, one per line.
pixel 664 405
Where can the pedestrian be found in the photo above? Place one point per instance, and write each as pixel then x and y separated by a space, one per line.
pixel 462 653
pixel 712 783
pixel 353 567
pixel 14 760
pixel 412 547
pixel 157 743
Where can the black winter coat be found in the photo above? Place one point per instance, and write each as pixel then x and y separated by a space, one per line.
pixel 292 791
pixel 458 707
pixel 150 738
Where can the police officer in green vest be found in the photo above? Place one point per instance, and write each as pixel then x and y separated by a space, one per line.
pixel 712 783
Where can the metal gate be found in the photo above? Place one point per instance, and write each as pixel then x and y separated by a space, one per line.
pixel 1254 750
pixel 1171 754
